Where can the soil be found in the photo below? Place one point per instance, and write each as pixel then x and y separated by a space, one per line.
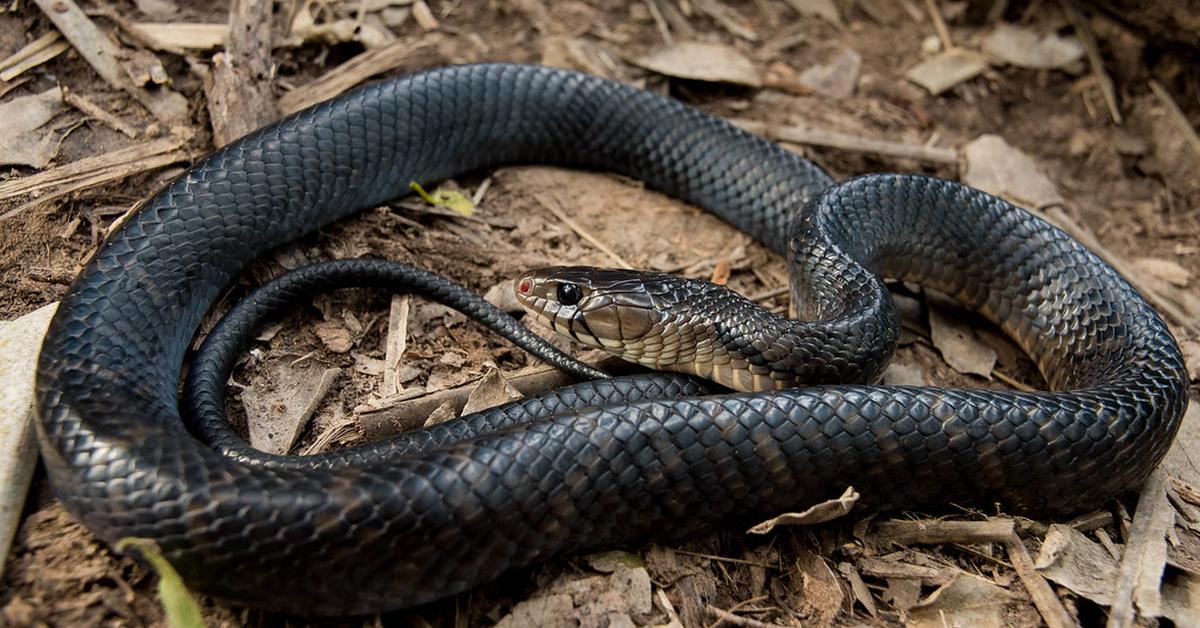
pixel 1115 179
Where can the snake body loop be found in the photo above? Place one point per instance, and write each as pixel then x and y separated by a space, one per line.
pixel 397 530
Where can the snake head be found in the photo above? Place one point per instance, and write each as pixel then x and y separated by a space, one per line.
pixel 599 307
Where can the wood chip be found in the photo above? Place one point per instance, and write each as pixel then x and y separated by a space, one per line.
pixel 1047 603
pixel 1137 589
pixel 237 87
pixel 103 55
pixel 827 510
pixel 94 111
pixel 423 16
pixel 947 69
pixel 715 63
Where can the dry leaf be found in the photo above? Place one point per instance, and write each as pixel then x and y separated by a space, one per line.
pixel 999 169
pixel 697 61
pixel 492 390
pixel 552 611
pixel 1022 47
pixel 276 415
pixel 959 345
pixel 819 513
pixel 1069 558
pixel 966 600
pixel 947 69
pixel 21 143
pixel 503 296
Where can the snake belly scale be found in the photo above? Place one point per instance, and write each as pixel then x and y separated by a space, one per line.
pixel 410 528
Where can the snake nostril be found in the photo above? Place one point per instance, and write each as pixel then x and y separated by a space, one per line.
pixel 525 286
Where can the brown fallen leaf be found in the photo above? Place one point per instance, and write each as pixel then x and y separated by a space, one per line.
pixel 335 337
pixel 715 63
pixel 959 345
pixel 903 374
pixel 22 142
pixel 827 510
pixel 1022 47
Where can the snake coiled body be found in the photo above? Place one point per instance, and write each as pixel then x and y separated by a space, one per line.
pixel 415 527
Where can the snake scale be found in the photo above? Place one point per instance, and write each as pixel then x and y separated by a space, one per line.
pixel 423 522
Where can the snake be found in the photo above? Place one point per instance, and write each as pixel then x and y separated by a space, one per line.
pixel 595 465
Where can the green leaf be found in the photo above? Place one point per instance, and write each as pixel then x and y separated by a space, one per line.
pixel 177 602
pixel 445 197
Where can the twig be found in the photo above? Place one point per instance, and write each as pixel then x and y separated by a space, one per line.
pixel 939 24
pixel 739 606
pixel 1094 59
pixel 102 54
pixel 178 36
pixel 845 141
pixel 727 18
pixel 33 54
pixel 1047 603
pixel 1015 383
pixel 724 559
pixel 1145 555
pixel 736 620
pixel 352 73
pixel 551 205
pixel 396 343
pixel 932 531
pixel 93 171
pixel 95 111
pixel 1177 116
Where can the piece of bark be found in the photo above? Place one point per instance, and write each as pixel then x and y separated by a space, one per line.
pixel 930 531
pixel 238 87
pixel 1137 591
pixel 353 72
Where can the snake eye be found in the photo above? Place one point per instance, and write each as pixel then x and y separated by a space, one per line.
pixel 569 294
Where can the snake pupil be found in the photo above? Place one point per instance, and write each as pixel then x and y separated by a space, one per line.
pixel 569 294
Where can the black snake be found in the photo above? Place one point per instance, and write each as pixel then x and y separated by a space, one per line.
pixel 364 534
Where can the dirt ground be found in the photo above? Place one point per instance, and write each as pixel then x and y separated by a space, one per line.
pixel 1134 185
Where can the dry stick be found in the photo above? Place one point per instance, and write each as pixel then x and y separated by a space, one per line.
pixel 726 18
pixel 1176 114
pixel 845 141
pixel 396 343
pixel 351 73
pixel 739 606
pixel 932 531
pixel 238 88
pixel 737 620
pixel 95 111
pixel 1094 59
pixel 1145 555
pixel 551 204
pixel 1044 599
pixel 1011 381
pixel 34 53
pixel 939 24
pixel 102 53
pixel 660 22
pixel 175 37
